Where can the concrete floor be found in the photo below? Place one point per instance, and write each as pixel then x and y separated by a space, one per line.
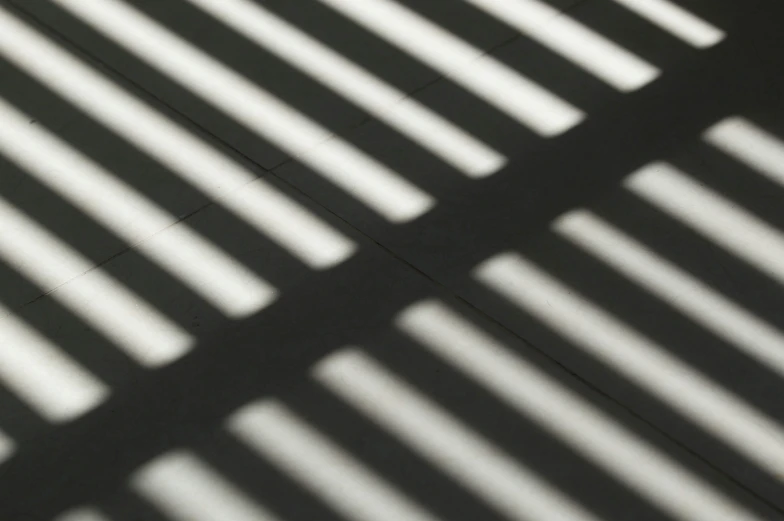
pixel 391 260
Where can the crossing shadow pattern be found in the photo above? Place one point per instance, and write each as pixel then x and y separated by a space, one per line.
pixel 391 259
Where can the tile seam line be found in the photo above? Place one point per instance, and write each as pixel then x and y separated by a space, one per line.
pixel 98 265
pixel 57 35
pixel 730 479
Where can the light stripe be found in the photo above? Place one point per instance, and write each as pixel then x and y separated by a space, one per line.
pixel 448 444
pixel 368 180
pixel 201 266
pixel 574 41
pixel 7 447
pixel 42 375
pixel 325 469
pixel 751 145
pixel 573 420
pixel 189 157
pixel 696 300
pixel 453 145
pixel 185 489
pixel 82 514
pixel 487 78
pixel 698 398
pixel 676 21
pixel 100 300
pixel 710 214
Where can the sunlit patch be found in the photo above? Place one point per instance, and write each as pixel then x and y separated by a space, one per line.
pixel 324 468
pixel 82 514
pixel 7 447
pixel 374 184
pixel 700 399
pixel 196 162
pixel 204 268
pixel 676 21
pixel 453 145
pixel 489 79
pixel 42 375
pixel 185 489
pixel 751 145
pixel 719 219
pixel 573 420
pixel 685 293
pixel 100 300
pixel 444 441
pixel 574 41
